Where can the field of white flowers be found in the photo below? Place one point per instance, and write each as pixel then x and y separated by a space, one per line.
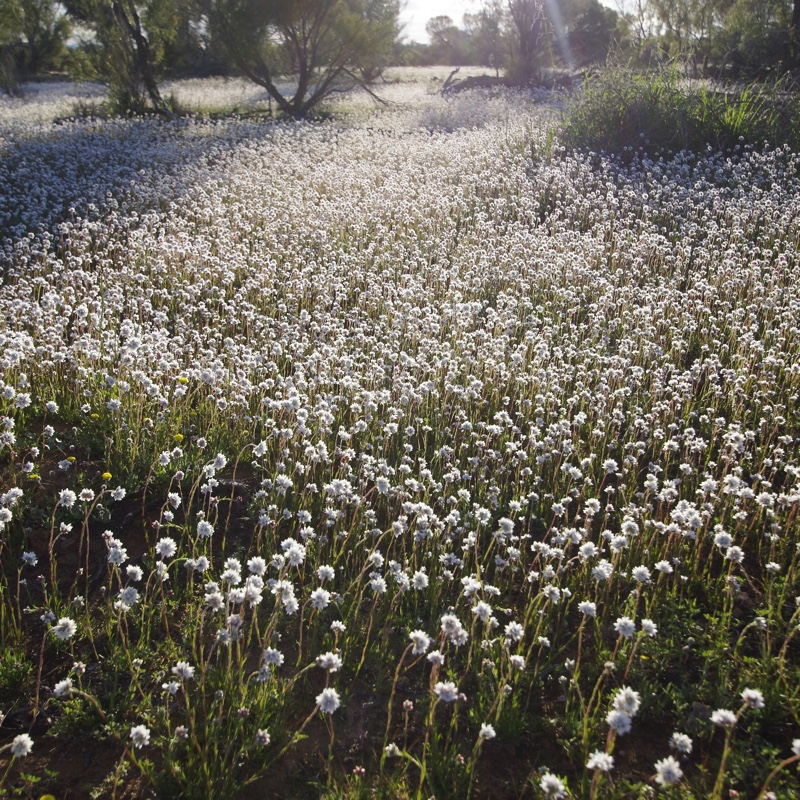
pixel 402 455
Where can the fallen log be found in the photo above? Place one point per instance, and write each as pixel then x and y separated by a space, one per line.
pixel 477 82
pixel 556 81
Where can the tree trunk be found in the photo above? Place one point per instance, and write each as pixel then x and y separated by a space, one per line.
pixel 141 53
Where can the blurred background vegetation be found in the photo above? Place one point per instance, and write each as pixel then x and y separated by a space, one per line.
pixel 325 46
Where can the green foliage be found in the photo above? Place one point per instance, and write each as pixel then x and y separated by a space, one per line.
pixel 325 46
pixel 381 18
pixel 732 38
pixel 31 786
pixel 754 39
pixel 447 41
pixel 524 37
pixel 45 29
pixel 16 672
pixel 10 45
pixel 9 78
pixel 622 112
pixel 590 27
pixel 33 37
pixel 529 41
pixel 128 49
pixel 356 787
pixel 484 32
pixel 73 718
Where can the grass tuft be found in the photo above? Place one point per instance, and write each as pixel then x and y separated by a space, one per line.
pixel 619 111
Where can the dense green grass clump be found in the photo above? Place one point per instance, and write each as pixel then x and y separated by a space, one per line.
pixel 620 111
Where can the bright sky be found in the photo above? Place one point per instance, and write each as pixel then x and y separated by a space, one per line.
pixel 417 13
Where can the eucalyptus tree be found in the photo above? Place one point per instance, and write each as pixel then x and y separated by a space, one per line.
pixel 33 35
pixel 303 51
pixel 127 46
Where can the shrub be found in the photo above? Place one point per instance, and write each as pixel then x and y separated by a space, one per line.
pixel 620 111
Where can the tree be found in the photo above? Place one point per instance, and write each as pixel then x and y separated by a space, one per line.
pixel 590 28
pixel 447 41
pixel 523 37
pixel 382 23
pixel 325 46
pixel 127 51
pixel 755 37
pixel 10 25
pixel 485 32
pixel 44 29
pixel 177 36
pixel 528 41
pixel 33 37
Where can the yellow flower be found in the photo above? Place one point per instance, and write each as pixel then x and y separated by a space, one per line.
pixel 106 476
pixel 178 437
pixel 95 416
pixel 183 379
pixel 47 797
pixel 71 459
pixel 34 476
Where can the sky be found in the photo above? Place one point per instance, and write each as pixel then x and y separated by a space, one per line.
pixel 417 13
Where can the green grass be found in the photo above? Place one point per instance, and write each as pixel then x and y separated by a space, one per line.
pixel 619 111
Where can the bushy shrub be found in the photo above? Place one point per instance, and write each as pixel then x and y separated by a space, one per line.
pixel 620 111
